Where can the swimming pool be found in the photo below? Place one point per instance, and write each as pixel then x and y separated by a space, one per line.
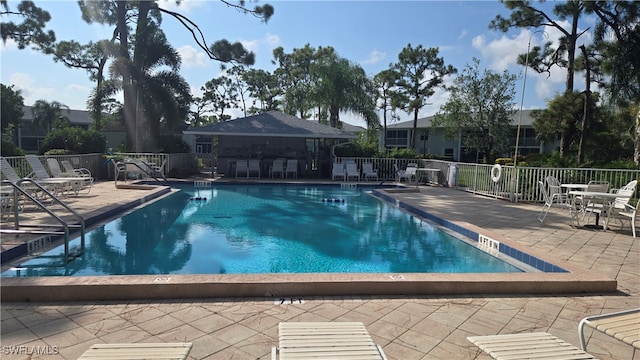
pixel 260 229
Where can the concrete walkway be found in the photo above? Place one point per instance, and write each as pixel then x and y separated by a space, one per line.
pixel 407 327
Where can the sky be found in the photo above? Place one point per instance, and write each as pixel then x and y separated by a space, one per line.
pixel 369 33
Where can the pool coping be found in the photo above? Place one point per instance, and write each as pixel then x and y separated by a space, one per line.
pixel 572 280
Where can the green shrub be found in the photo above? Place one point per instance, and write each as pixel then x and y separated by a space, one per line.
pixel 76 140
pixel 172 144
pixel 10 149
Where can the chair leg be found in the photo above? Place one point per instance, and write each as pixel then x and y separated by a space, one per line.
pixel 544 212
pixel 633 226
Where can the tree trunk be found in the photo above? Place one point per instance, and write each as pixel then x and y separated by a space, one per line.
pixel 636 140
pixel 127 91
pixel 586 109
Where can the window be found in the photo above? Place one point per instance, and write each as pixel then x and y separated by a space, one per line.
pixel 424 135
pixel 448 153
pixel 397 138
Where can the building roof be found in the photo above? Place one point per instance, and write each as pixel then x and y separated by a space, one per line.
pixel 76 117
pixel 271 123
pixel 425 122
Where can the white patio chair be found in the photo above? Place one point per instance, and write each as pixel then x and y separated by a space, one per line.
pixel 551 198
pixel 292 168
pixel 369 172
pixel 56 172
pixel 277 168
pixel 609 209
pixel 352 171
pixel 242 167
pixel 338 172
pixel 407 174
pixel 253 168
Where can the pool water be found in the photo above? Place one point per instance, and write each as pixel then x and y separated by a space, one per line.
pixel 248 229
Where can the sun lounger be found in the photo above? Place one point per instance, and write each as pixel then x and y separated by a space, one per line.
pixel 539 345
pixel 325 340
pixel 137 351
pixel 621 325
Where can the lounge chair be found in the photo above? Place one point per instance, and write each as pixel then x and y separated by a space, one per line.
pixel 369 172
pixel 292 168
pixel 539 345
pixel 242 167
pixel 338 172
pixel 352 170
pixel 253 168
pixel 56 172
pixel 325 340
pixel 277 168
pixel 622 325
pixel 57 186
pixel 137 351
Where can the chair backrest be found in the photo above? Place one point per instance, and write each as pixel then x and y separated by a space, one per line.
pixel 545 193
pixel 625 194
pixel 598 186
pixel 278 165
pixel 254 164
pixel 67 166
pixel 8 171
pixel 38 169
pixel 54 167
pixel 338 168
pixel 552 181
pixel 242 165
pixel 292 165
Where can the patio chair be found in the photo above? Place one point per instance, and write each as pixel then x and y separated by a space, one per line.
pixel 369 172
pixel 292 168
pixel 338 172
pixel 56 172
pixel 407 174
pixel 629 213
pixel 619 203
pixel 325 340
pixel 538 345
pixel 277 168
pixel 253 168
pixel 352 171
pixel 552 197
pixel 242 167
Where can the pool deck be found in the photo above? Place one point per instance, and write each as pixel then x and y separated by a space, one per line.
pixel 407 327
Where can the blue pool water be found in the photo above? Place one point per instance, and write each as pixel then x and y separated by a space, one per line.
pixel 243 229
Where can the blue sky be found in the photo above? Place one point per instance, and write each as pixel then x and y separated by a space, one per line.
pixel 370 33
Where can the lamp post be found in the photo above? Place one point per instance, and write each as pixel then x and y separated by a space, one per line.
pixel 524 84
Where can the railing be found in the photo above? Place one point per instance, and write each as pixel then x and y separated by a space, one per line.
pixel 101 167
pixel 514 184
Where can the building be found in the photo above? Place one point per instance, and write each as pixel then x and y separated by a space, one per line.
pixel 268 136
pixel 29 138
pixel 432 141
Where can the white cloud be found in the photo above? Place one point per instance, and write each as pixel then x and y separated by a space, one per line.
pixel 191 57
pixel 272 40
pixel 463 34
pixel 250 45
pixel 185 7
pixel 9 45
pixel 375 57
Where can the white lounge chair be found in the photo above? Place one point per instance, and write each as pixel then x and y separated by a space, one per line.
pixel 135 351
pixel 369 172
pixel 325 340
pixel 253 168
pixel 65 184
pixel 622 325
pixel 56 172
pixel 538 345
pixel 338 172
pixel 292 168
pixel 242 168
pixel 277 168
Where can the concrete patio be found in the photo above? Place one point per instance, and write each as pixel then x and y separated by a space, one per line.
pixel 407 327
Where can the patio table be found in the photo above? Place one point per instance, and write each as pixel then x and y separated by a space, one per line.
pixel 606 199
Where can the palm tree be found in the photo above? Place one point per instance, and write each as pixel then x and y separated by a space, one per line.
pixel 45 114
pixel 344 86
